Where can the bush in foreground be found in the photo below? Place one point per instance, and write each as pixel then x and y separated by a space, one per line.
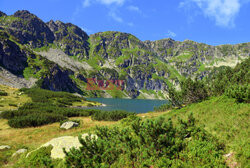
pixel 149 143
pixel 37 158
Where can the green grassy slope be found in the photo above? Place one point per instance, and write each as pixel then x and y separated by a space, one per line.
pixel 224 118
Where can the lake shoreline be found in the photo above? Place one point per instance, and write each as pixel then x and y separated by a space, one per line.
pixel 102 105
pixel 130 105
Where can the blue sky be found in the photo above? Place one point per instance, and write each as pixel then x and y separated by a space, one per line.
pixel 213 22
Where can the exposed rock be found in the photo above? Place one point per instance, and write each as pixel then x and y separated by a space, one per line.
pixel 2 14
pixel 18 152
pixel 62 59
pixel 72 39
pixel 66 142
pixel 69 124
pixel 28 29
pixel 59 80
pixel 11 56
pixel 77 94
pixel 9 79
pixel 3 147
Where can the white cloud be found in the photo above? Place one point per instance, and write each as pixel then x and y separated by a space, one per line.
pixel 134 8
pixel 87 3
pixel 113 7
pixel 171 34
pixel 114 16
pixel 109 2
pixel 223 12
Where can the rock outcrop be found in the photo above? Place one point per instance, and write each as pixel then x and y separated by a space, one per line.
pixel 66 142
pixel 58 80
pixel 69 124
pixel 70 38
pixel 12 57
pixel 3 147
pixel 27 29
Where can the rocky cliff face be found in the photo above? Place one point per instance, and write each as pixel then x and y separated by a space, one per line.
pixel 62 56
pixel 27 29
pixel 59 80
pixel 190 57
pixel 70 38
pixel 12 57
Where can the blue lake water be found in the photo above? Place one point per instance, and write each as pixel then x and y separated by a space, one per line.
pixel 131 105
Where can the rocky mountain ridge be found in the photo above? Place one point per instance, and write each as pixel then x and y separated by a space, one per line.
pixel 61 56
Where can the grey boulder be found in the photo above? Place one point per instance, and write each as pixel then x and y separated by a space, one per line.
pixel 2 147
pixel 68 125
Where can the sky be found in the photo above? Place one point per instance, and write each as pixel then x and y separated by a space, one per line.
pixel 213 22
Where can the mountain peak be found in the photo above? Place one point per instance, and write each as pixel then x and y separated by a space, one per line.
pixel 24 14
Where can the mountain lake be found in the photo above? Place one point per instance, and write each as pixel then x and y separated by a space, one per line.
pixel 131 105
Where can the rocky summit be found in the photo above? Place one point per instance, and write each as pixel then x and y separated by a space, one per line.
pixel 61 57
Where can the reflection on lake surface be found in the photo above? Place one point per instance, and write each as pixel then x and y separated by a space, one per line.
pixel 131 105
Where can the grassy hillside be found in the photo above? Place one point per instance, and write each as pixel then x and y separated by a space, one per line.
pixel 226 120
pixel 13 98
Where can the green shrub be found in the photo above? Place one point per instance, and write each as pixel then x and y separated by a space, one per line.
pixel 36 114
pixel 8 114
pixel 110 115
pixel 193 91
pixel 12 104
pixel 221 79
pixel 128 120
pixel 163 107
pixel 148 143
pixel 38 158
pixel 3 93
pixel 240 92
pixel 33 120
pixel 47 96
pixel 33 108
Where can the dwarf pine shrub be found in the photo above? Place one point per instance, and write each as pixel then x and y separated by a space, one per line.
pixel 148 143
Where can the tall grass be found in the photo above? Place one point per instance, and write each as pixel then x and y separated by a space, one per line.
pixel 226 119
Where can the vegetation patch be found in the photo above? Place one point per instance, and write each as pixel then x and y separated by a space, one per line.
pixel 49 107
pixel 46 107
pixel 224 118
pixel 37 158
pixel 121 59
pixel 149 143
pixel 13 97
pixel 3 93
pixel 110 115
pixel 45 48
pixel 115 93
pixel 183 57
pixel 6 20
pixel 202 68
